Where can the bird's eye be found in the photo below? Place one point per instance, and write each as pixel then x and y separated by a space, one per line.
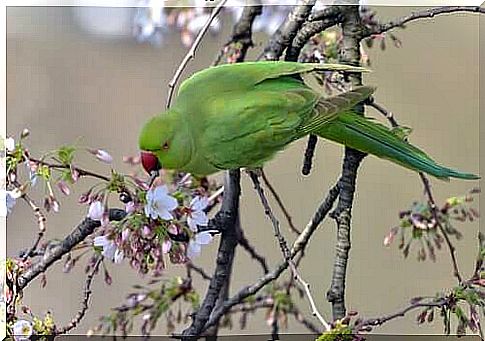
pixel 165 145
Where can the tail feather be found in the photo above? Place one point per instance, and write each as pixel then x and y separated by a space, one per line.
pixel 374 138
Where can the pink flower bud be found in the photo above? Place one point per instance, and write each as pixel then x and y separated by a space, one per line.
pixel 146 231
pixel 63 188
pixel 166 246
pixel 84 198
pixel 125 234
pixel 55 204
pixel 130 207
pixel 25 132
pixel 96 210
pixel 74 175
pixel 390 236
pixel 102 155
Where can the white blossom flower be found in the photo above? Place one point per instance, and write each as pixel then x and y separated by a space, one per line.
pixel 102 155
pixel 7 201
pixel 195 245
pixel 96 210
pixel 9 144
pixel 110 250
pixel 160 203
pixel 22 330
pixel 196 216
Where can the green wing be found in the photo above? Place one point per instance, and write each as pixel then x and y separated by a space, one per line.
pixel 242 76
pixel 246 129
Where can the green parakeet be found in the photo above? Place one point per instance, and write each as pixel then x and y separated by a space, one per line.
pixel 241 115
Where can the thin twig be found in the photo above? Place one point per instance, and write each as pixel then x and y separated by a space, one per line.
pixel 81 172
pixel 55 253
pixel 286 251
pixel 84 304
pixel 261 302
pixel 191 54
pixel 434 212
pixel 387 114
pixel 280 203
pixel 438 303
pixel 41 222
pixel 298 246
pixel 244 243
pixel 428 13
pixel 192 267
pixel 428 192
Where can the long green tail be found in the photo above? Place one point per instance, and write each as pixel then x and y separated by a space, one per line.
pixel 370 137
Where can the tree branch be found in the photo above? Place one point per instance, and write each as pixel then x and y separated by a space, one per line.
pixel 285 34
pixel 428 13
pixel 84 304
pixel 434 212
pixel 387 114
pixel 349 54
pixel 229 213
pixel 438 303
pixel 192 267
pixel 191 54
pixel 244 243
pixel 298 247
pixel 280 203
pixel 329 17
pixel 55 253
pixel 241 39
pixel 225 256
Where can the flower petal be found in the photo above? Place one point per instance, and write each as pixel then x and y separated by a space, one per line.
pixel 96 210
pixel 118 256
pixel 22 330
pixel 192 224
pixel 109 250
pixel 160 191
pixel 166 246
pixel 164 214
pixel 193 250
pixel 199 203
pixel 100 241
pixel 200 218
pixel 170 202
pixel 203 238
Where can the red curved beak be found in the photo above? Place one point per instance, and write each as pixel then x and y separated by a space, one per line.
pixel 149 161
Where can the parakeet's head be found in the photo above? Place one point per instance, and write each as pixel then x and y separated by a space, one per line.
pixel 165 142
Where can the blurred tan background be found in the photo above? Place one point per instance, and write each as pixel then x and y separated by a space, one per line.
pixel 64 83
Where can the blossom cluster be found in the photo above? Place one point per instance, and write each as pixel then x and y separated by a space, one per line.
pixel 161 221
pixel 418 223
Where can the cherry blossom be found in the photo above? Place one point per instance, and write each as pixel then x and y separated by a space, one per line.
pixel 9 144
pixel 195 245
pixel 110 250
pixel 96 210
pixel 22 330
pixel 196 216
pixel 7 201
pixel 102 155
pixel 160 203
